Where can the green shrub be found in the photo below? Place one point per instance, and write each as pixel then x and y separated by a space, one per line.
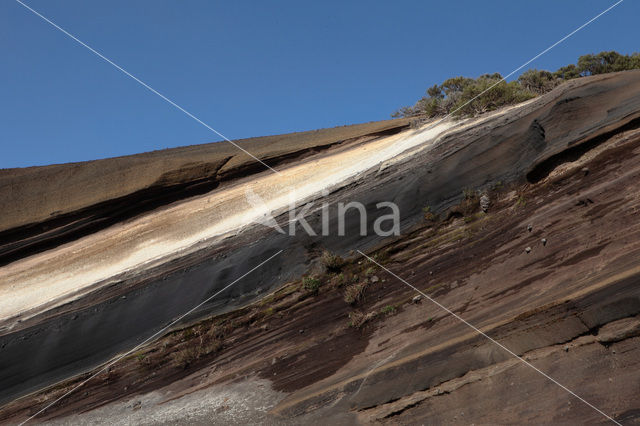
pixel 311 284
pixel 463 96
pixel 538 81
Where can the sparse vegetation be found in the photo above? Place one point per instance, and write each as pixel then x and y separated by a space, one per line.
pixel 354 293
pixel 521 201
pixel 337 280
pixel 428 214
pixel 468 206
pixel 462 96
pixel 268 312
pixel 331 261
pixel 311 284
pixel 357 319
pixel 213 346
pixel 388 310
pixel 184 357
pixel 187 348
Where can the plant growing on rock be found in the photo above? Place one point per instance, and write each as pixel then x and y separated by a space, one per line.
pixel 463 96
pixel 311 284
pixel 388 310
pixel 184 357
pixel 331 261
pixel 354 293
pixel 357 319
pixel 428 214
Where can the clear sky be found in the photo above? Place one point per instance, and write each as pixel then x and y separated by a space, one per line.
pixel 254 68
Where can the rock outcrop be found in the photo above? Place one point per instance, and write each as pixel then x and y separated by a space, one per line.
pixel 87 276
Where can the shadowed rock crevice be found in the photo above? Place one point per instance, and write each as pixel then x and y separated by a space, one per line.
pixel 544 168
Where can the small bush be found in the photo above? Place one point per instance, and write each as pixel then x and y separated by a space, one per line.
pixel 186 356
pixel 332 262
pixel 357 319
pixel 354 293
pixel 311 284
pixel 213 346
pixel 338 280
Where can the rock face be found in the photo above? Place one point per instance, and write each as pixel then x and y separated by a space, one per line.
pixel 118 267
pixel 619 330
pixel 484 202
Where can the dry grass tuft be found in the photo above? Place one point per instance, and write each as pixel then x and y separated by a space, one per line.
pixel 357 319
pixel 331 261
pixel 354 293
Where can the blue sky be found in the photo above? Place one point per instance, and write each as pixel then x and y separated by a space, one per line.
pixel 253 68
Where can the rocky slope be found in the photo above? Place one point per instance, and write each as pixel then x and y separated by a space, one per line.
pixel 562 293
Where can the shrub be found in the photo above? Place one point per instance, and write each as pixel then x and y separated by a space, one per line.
pixel 471 202
pixel 538 81
pixel 463 96
pixel 354 293
pixel 185 356
pixel 332 262
pixel 338 280
pixel 357 319
pixel 311 284
pixel 212 346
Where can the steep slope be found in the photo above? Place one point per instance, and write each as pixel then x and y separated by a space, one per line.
pixel 564 163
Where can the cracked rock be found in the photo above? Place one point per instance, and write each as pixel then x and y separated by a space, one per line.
pixel 619 330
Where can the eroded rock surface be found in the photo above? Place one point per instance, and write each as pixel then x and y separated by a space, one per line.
pixel 569 307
